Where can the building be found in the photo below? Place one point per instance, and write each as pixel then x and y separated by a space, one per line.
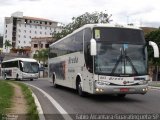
pixel 40 43
pixel 19 30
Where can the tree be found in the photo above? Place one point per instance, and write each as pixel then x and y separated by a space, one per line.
pixel 155 37
pixel 41 56
pixel 86 18
pixel 7 44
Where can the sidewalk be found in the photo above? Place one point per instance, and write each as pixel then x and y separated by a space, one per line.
pixel 154 85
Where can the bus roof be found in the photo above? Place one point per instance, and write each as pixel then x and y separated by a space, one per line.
pixel 97 25
pixel 22 59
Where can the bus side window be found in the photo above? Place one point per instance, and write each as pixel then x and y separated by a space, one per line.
pixel 88 57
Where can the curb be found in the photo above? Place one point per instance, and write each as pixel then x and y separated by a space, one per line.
pixel 39 108
pixel 158 88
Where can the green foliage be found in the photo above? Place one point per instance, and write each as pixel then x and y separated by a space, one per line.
pixel 7 44
pixel 32 113
pixel 155 37
pixel 41 55
pixel 86 18
pixel 6 93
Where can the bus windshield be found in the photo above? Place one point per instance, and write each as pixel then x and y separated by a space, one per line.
pixel 121 59
pixel 30 67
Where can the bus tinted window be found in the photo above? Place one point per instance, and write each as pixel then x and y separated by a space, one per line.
pixel 119 35
pixel 68 45
pixel 10 64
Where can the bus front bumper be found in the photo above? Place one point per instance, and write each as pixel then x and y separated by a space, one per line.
pixel 112 89
pixel 30 76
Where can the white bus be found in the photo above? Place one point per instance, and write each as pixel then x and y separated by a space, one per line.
pixel 102 59
pixel 20 68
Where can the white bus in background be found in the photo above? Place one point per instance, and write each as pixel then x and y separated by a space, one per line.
pixel 102 59
pixel 20 68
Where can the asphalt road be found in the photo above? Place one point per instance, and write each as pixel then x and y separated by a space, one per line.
pixel 74 104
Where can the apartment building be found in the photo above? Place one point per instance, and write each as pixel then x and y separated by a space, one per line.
pixel 19 30
pixel 40 43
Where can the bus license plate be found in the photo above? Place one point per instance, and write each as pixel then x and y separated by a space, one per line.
pixel 124 89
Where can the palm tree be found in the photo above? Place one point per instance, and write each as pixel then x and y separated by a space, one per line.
pixel 7 44
pixel 41 56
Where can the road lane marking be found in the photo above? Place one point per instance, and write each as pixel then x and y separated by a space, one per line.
pixel 54 103
pixel 39 108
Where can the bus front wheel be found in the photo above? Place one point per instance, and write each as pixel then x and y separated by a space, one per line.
pixel 79 88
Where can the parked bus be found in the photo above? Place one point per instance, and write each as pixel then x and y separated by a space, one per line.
pixel 20 68
pixel 102 59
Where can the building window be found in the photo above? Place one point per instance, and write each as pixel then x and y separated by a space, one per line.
pixel 6 31
pixel 50 23
pixel 30 31
pixel 46 45
pixel 19 36
pixel 41 45
pixel 19 41
pixel 40 22
pixel 30 37
pixel 45 23
pixel 35 32
pixel 35 45
pixel 40 32
pixel 45 33
pixel 25 31
pixel 6 25
pixel 36 27
pixel 24 41
pixel 24 36
pixel 19 30
pixel 5 36
pixel 40 27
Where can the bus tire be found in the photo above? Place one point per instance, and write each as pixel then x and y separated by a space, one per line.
pixel 17 77
pixel 121 95
pixel 53 80
pixel 5 77
pixel 31 79
pixel 79 88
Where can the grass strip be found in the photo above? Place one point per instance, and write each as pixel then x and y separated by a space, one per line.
pixel 6 93
pixel 32 113
pixel 156 85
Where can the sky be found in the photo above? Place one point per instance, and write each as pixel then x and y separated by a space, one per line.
pixel 139 12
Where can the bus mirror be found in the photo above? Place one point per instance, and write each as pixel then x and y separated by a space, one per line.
pixel 93 47
pixel 22 64
pixel 155 49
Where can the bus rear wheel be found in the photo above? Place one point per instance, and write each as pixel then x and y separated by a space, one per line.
pixel 54 83
pixel 5 77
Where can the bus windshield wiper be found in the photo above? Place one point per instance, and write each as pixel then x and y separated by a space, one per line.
pixel 121 57
pixel 129 59
pixel 115 67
